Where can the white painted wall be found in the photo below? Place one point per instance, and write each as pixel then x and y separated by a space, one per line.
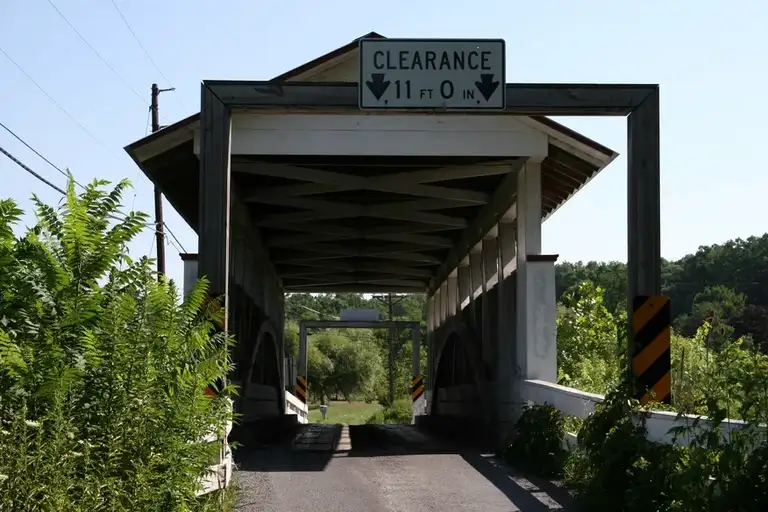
pixel 575 402
pixel 190 275
pixel 396 134
pixel 541 351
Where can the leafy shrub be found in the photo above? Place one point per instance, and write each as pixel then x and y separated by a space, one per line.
pixel 615 467
pixel 537 441
pixel 102 370
pixel 400 411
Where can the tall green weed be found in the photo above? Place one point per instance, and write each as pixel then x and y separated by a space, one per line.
pixel 102 369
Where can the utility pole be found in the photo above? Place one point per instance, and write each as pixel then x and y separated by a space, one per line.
pixel 391 341
pixel 159 223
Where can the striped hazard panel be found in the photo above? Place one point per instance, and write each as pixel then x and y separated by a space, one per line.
pixel 651 364
pixel 302 388
pixel 417 387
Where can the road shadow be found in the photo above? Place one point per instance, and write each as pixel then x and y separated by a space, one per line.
pixel 282 453
pixel 528 493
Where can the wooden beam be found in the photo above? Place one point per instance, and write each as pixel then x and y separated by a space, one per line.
pixel 292 172
pixel 502 199
pixel 350 211
pixel 522 99
pixel 299 258
pixel 325 233
pixel 323 205
pixel 308 189
pixel 214 202
pixel 643 207
pixel 356 288
pixel 326 280
pixel 341 250
pixel 331 267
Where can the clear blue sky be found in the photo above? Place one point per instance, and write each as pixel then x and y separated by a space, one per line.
pixel 711 59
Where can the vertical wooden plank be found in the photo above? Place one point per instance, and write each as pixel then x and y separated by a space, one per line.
pixel 643 206
pixel 214 190
pixel 465 283
pixel 476 280
pixel 430 339
pixel 489 257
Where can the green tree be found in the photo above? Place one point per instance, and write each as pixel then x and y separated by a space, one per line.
pixel 588 349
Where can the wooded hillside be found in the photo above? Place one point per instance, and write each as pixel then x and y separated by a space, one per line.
pixel 725 285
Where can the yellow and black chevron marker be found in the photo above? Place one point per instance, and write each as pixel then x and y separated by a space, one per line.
pixel 651 362
pixel 417 387
pixel 302 388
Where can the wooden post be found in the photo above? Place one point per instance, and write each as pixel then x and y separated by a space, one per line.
pixel 643 208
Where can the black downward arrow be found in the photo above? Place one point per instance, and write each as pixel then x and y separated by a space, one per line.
pixel 486 85
pixel 377 85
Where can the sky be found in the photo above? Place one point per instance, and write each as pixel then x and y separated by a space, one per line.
pixel 710 59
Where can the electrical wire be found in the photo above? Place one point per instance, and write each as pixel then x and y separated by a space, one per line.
pixel 180 247
pixel 65 111
pixel 144 49
pixel 61 171
pixel 58 189
pixel 138 169
pixel 30 171
pixel 139 96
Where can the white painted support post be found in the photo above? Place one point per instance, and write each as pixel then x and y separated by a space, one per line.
pixel 489 256
pixel 445 303
pixel 416 349
pixel 536 308
pixel 505 327
pixel 190 272
pixel 476 285
pixel 303 352
pixel 490 265
pixel 453 295
pixel 430 344
pixel 280 307
pixel 464 283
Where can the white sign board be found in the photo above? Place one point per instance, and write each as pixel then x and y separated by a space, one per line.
pixel 359 315
pixel 460 74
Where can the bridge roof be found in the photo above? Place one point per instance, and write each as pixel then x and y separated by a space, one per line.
pixel 310 260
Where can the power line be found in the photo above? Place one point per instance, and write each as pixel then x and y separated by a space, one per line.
pixel 30 171
pixel 143 48
pixel 63 173
pixel 66 112
pixel 174 237
pixel 141 98
pixel 179 248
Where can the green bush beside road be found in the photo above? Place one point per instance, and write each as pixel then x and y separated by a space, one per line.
pixel 102 370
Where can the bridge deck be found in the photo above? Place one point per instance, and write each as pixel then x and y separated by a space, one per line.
pixel 387 468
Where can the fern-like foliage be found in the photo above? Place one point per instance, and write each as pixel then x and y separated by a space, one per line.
pixel 102 369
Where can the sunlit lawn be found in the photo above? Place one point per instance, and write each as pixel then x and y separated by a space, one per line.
pixel 351 413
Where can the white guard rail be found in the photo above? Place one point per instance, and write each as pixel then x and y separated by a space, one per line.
pixel 574 402
pixel 220 473
pixel 295 406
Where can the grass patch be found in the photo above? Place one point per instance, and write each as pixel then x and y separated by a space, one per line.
pixel 398 413
pixel 351 413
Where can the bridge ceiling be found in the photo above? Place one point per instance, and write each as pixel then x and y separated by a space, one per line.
pixel 365 223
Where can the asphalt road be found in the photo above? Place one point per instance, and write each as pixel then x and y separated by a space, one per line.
pixel 377 469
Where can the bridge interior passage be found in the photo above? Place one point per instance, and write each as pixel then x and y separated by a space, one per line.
pixel 370 223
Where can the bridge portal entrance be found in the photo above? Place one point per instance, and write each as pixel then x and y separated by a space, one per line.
pixel 292 187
